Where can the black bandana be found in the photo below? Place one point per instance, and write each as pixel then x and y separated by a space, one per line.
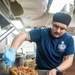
pixel 62 18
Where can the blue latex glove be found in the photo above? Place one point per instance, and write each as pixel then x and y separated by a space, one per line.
pixel 9 57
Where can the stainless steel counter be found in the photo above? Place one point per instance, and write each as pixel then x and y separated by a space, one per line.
pixel 43 72
pixel 40 72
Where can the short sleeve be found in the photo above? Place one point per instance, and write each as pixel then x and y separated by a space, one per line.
pixel 35 35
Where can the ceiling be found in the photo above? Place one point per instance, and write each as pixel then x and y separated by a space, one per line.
pixel 35 13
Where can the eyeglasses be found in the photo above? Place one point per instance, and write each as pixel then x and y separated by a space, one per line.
pixel 57 27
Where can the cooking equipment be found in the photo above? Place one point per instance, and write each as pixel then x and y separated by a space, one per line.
pixel 19 61
pixel 1 56
pixel 2 65
pixel 43 72
pixel 40 72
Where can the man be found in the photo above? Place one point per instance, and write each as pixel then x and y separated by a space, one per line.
pixel 53 44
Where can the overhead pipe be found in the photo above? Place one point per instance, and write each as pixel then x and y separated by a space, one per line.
pixel 48 5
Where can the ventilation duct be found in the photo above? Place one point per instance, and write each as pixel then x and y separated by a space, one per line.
pixel 5 14
pixel 16 8
pixel 3 21
pixel 4 17
pixel 5 9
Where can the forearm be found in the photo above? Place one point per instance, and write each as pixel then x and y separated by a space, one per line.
pixel 18 40
pixel 66 63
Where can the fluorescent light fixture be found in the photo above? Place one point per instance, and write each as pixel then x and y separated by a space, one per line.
pixel 57 6
pixel 17 23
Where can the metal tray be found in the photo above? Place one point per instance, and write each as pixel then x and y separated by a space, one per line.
pixel 43 72
pixel 40 72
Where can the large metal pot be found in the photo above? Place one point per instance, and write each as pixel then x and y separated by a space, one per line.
pixel 3 69
pixel 19 62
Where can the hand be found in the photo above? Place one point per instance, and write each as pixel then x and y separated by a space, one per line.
pixel 52 72
pixel 9 57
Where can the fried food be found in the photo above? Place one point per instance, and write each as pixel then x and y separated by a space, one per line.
pixel 22 71
pixel 30 63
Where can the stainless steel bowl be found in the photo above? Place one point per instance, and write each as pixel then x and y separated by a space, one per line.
pixel 19 61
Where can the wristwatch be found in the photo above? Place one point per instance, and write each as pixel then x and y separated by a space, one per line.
pixel 57 70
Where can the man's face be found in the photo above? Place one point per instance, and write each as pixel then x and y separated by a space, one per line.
pixel 58 29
